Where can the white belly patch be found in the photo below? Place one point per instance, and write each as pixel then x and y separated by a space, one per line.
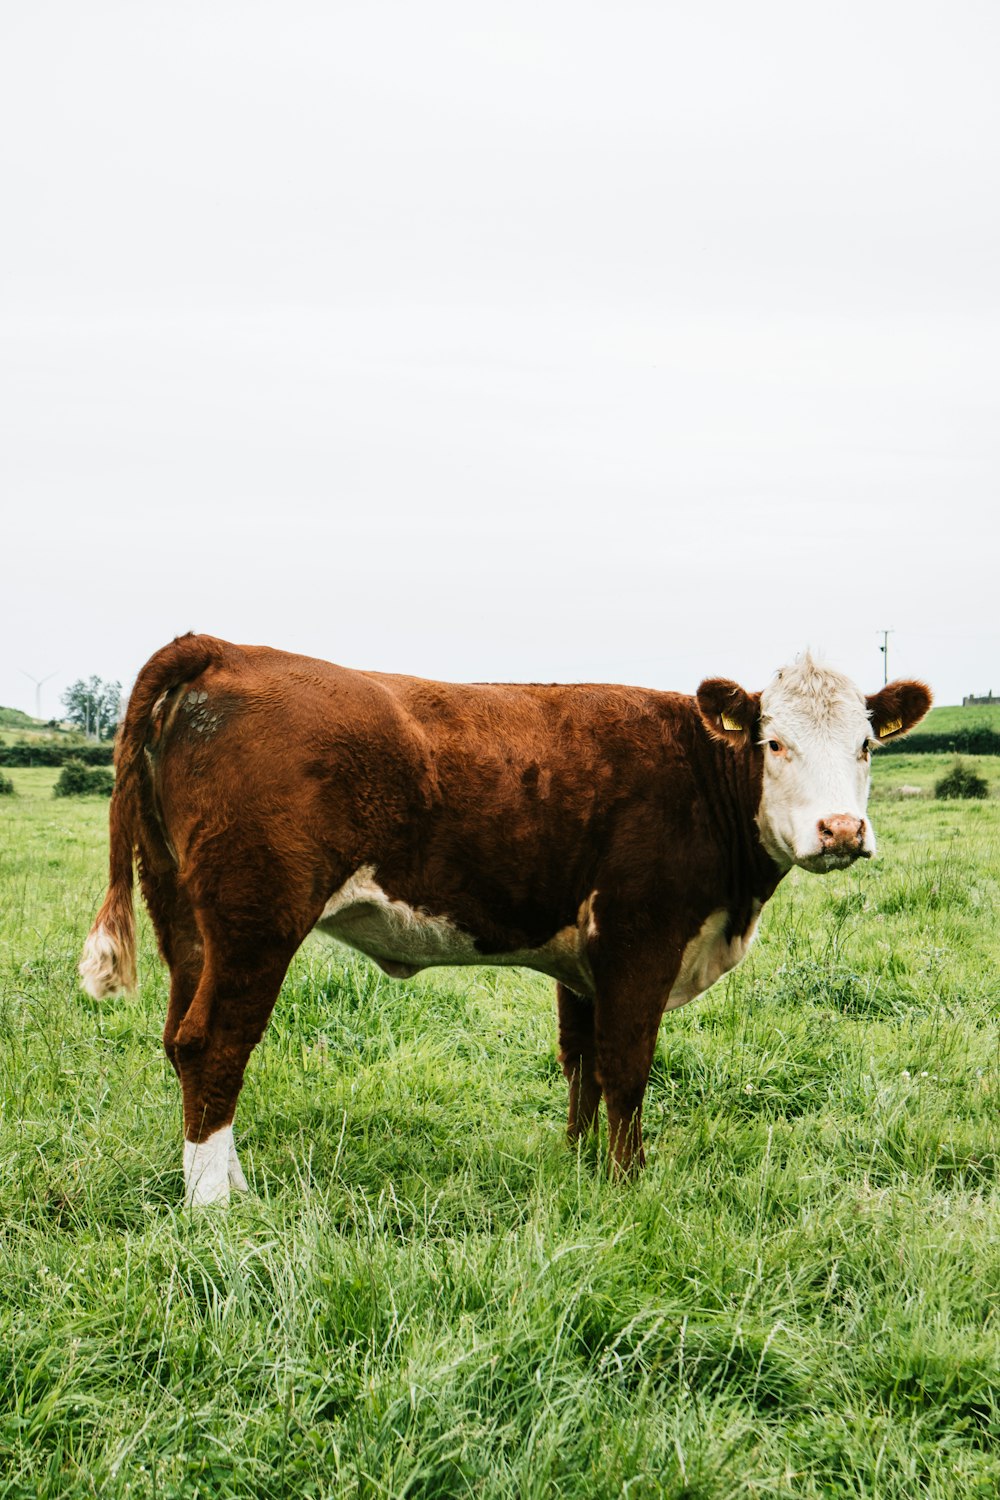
pixel 709 955
pixel 404 939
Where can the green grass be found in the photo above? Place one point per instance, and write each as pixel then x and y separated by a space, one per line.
pixel 946 720
pixel 429 1294
pixel 924 770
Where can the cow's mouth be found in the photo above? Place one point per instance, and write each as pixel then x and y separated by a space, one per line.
pixel 825 860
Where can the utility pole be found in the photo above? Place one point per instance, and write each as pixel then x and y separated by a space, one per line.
pixel 39 683
pixel 884 648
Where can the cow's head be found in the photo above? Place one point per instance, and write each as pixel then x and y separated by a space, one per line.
pixel 815 732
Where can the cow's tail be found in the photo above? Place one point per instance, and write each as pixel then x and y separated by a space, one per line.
pixel 108 962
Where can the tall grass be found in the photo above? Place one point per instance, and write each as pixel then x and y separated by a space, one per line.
pixel 429 1294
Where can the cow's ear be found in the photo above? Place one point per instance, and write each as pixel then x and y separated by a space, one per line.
pixel 729 712
pixel 896 709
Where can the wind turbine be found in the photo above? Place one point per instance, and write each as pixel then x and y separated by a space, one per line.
pixel 39 683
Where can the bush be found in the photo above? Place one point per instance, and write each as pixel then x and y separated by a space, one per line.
pixel 6 786
pixel 962 781
pixel 78 780
pixel 48 753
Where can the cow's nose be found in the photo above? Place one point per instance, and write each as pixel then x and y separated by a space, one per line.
pixel 841 831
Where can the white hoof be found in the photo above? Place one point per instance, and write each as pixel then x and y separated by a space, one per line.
pixel 207 1172
pixel 237 1181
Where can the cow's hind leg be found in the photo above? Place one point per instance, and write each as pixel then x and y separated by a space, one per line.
pixel 182 944
pixel 210 1047
pixel 183 949
pixel 576 1053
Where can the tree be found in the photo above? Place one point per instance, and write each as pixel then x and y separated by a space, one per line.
pixel 93 706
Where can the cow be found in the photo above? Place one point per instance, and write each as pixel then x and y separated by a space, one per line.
pixel 620 840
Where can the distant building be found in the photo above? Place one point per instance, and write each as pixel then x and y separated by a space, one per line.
pixel 971 702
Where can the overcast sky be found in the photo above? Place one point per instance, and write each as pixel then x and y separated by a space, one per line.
pixel 546 341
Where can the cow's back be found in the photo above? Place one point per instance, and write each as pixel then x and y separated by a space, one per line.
pixel 493 802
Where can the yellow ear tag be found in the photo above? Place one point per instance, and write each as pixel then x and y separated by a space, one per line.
pixel 890 728
pixel 731 724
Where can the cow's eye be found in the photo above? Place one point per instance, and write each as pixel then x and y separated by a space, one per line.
pixel 866 751
pixel 776 747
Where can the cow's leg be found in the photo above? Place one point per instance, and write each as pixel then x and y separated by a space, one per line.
pixel 210 1047
pixel 182 944
pixel 626 1021
pixel 576 1053
pixel 183 949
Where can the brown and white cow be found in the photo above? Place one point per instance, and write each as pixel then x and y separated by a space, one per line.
pixel 621 840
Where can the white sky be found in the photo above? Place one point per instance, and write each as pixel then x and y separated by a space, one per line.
pixel 545 341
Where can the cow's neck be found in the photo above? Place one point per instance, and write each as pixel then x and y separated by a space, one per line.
pixel 752 875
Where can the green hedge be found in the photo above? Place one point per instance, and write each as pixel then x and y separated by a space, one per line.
pixel 979 741
pixel 47 753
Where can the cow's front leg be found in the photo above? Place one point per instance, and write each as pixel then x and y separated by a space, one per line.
pixel 626 1021
pixel 576 1053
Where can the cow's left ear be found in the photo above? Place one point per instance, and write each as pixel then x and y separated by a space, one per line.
pixel 728 711
pixel 897 708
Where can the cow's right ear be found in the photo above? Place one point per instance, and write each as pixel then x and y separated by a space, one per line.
pixel 728 711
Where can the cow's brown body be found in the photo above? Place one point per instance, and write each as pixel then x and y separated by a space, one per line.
pixel 591 832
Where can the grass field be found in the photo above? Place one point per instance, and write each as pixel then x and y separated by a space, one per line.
pixel 429 1294
pixel 946 720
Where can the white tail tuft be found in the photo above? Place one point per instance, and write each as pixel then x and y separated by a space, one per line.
pixel 102 967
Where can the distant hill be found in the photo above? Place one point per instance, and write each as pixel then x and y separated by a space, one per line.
pixel 16 725
pixel 13 718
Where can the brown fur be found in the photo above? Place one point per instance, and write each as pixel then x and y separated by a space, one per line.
pixel 253 783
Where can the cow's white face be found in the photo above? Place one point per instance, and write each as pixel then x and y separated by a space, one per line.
pixel 816 738
pixel 815 732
